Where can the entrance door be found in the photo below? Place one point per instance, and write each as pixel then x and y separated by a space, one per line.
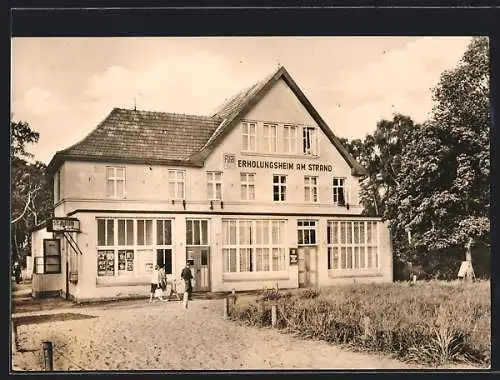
pixel 308 266
pixel 200 257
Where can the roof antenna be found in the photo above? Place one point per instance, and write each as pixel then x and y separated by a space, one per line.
pixel 135 103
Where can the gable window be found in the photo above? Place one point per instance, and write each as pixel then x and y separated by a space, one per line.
pixel 306 232
pixel 176 184
pixel 352 245
pixel 290 139
pixel 247 186
pixel 311 189
pixel 339 191
pixel 248 137
pixel 270 138
pixel 309 141
pixel 279 188
pixel 115 181
pixel 214 186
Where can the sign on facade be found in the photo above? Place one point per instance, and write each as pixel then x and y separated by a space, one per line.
pixel 63 225
pixel 293 256
pixel 229 160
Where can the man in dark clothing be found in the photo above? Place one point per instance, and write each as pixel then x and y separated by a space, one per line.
pixel 187 276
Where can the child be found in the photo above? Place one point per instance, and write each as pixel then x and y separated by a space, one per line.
pixel 155 283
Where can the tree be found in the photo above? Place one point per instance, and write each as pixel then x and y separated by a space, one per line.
pixel 441 192
pixel 31 193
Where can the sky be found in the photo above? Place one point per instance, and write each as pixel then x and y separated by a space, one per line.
pixel 64 87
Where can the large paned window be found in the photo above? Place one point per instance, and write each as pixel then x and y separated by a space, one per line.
pixel 290 139
pixel 352 245
pixel 339 191
pixel 176 184
pixel 310 146
pixel 214 186
pixel 50 262
pixel 248 137
pixel 125 246
pixel 247 186
pixel 279 188
pixel 196 232
pixel 311 189
pixel 306 232
pixel 115 181
pixel 253 245
pixel 270 133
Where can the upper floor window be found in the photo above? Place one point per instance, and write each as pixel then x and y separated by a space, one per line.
pixel 115 181
pixel 176 184
pixel 214 186
pixel 309 141
pixel 247 186
pixel 57 186
pixel 279 188
pixel 270 138
pixel 311 189
pixel 290 139
pixel 339 191
pixel 248 137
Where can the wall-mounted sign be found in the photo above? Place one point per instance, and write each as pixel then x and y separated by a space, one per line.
pixel 229 160
pixel 293 256
pixel 283 165
pixel 63 225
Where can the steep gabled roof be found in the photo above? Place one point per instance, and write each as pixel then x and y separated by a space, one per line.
pixel 143 137
pixel 132 136
pixel 237 107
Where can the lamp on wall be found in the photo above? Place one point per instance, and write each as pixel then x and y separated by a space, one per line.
pixel 221 204
pixel 173 201
pixel 211 205
pixel 347 205
pixel 184 203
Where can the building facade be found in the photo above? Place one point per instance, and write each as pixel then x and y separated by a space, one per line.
pixel 261 192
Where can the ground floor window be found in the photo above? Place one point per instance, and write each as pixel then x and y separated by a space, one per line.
pixel 352 244
pixel 126 246
pixel 253 245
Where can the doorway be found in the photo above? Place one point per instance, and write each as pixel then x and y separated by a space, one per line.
pixel 308 266
pixel 200 259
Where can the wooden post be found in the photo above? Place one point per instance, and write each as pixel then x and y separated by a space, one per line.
pixel 13 326
pixel 366 327
pixel 273 315
pixel 225 315
pixel 47 356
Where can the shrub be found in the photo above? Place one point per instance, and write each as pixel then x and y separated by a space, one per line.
pixel 433 322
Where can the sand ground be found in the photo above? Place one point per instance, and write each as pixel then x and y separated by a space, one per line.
pixel 164 336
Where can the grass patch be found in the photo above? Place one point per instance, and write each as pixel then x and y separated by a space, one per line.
pixel 430 323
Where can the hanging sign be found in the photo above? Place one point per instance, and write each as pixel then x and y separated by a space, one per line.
pixel 63 225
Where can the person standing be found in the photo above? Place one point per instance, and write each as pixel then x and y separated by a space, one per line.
pixel 155 283
pixel 163 280
pixel 187 276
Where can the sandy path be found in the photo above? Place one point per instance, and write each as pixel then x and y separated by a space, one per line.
pixel 164 336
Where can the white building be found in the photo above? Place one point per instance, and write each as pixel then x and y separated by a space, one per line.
pixel 239 192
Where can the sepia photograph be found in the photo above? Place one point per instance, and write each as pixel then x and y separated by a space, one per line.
pixel 250 203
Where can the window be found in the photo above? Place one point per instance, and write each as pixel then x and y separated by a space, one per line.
pixel 270 138
pixel 125 247
pixel 176 184
pixel 306 232
pixel 247 186
pixel 309 141
pixel 253 245
pixel 144 232
pixel 290 139
pixel 311 189
pixel 196 232
pixel 279 188
pixel 50 263
pixel 214 186
pixel 338 191
pixel 248 137
pixel 352 245
pixel 57 186
pixel 115 181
